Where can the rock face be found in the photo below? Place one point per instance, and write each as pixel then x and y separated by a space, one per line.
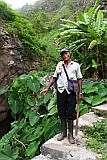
pixel 12 64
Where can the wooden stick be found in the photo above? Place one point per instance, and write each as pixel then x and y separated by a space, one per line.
pixel 76 127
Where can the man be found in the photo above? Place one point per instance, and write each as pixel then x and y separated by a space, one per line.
pixel 66 101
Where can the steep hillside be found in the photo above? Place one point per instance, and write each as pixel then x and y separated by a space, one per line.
pixel 64 8
pixel 53 5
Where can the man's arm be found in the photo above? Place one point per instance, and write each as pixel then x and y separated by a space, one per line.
pixel 80 89
pixel 52 81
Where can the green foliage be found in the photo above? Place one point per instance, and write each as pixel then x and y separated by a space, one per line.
pixel 96 90
pixel 9 153
pixel 39 21
pixel 6 13
pixel 45 17
pixel 51 42
pixel 23 28
pixel 86 35
pixel 97 137
pixel 4 89
pixel 35 114
pixel 34 118
pixel 94 93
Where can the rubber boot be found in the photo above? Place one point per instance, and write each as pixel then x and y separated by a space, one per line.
pixel 64 130
pixel 70 132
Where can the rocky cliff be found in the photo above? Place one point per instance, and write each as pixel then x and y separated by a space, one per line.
pixel 12 64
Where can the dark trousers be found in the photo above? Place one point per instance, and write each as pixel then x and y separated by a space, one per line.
pixel 66 104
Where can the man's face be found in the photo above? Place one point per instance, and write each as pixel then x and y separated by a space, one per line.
pixel 65 56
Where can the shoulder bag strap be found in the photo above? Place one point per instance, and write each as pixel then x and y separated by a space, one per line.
pixel 65 72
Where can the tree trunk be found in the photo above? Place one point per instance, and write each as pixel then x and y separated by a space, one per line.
pixel 101 59
pixel 97 70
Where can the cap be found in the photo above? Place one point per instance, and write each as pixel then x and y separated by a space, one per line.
pixel 64 50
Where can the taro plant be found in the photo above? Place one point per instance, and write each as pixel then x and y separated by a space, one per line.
pixel 34 116
pixel 94 93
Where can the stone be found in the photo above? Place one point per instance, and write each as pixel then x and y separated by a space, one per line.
pixel 88 119
pixel 63 150
pixel 100 109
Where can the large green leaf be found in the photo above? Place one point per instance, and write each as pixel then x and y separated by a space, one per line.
pixel 84 110
pixel 83 17
pixel 30 101
pixel 31 85
pixel 37 84
pixel 92 44
pixel 4 140
pixel 15 106
pixel 49 134
pixel 92 90
pixel 24 135
pixel 72 32
pixel 27 131
pixel 94 64
pixel 86 85
pixel 51 103
pixel 8 153
pixel 88 99
pixel 32 148
pixel 23 78
pixel 99 19
pixel 98 100
pixel 37 134
pixel 33 118
pixel 79 46
pixel 34 84
pixel 71 23
pixel 53 111
pixel 80 41
pixel 40 101
pixel 47 96
pixel 49 131
pixel 4 89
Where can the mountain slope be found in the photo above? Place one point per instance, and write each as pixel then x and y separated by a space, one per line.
pixel 55 6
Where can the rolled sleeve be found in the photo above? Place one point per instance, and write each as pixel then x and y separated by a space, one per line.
pixel 79 74
pixel 55 74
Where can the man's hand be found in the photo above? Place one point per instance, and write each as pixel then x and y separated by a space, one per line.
pixel 44 91
pixel 80 97
pixel 52 81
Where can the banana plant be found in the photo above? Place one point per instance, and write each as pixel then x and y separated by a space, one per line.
pixel 87 33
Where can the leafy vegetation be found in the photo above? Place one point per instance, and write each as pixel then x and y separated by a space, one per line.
pixel 33 34
pixel 97 137
pixel 86 37
pixel 94 93
pixel 34 114
pixel 18 25
pixel 38 32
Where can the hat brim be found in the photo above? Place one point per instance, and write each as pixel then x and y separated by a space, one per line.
pixel 63 52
